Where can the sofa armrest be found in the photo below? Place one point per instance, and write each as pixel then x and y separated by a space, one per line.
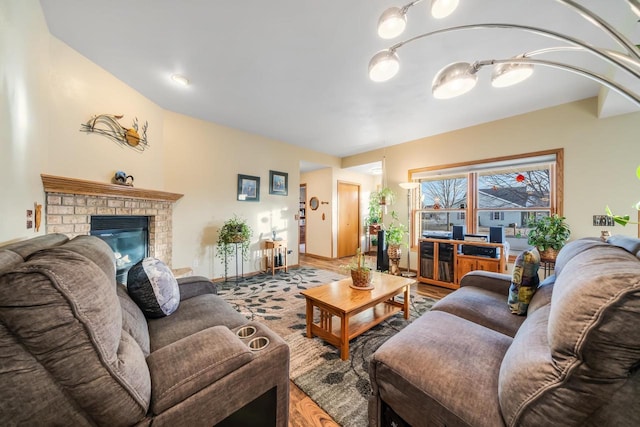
pixel 186 366
pixel 193 286
pixel 494 282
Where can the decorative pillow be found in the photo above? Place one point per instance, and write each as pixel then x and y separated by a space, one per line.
pixel 524 281
pixel 153 287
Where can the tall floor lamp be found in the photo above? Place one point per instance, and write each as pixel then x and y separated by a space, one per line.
pixel 409 186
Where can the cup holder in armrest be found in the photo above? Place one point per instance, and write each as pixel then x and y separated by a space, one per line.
pixel 246 331
pixel 258 343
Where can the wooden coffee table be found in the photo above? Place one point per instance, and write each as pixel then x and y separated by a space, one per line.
pixel 358 310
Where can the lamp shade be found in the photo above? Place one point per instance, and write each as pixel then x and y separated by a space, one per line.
pixel 443 8
pixel 384 65
pixel 392 23
pixel 454 80
pixel 409 185
pixel 508 74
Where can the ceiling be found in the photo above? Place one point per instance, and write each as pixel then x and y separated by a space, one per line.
pixel 296 71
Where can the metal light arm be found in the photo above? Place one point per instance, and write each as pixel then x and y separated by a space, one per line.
pixel 604 25
pixel 633 97
pixel 607 55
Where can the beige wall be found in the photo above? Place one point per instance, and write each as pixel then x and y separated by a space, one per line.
pixel 48 90
pixel 601 156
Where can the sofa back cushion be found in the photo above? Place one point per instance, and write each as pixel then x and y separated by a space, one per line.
pixel 61 307
pixel 15 253
pixel 569 358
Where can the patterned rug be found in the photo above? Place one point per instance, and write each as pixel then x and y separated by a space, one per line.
pixel 339 387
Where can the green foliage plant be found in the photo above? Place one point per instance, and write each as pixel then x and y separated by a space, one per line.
pixel 234 231
pixel 377 199
pixel 358 262
pixel 396 232
pixel 549 232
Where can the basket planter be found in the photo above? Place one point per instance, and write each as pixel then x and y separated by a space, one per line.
pixel 394 252
pixel 548 254
pixel 361 278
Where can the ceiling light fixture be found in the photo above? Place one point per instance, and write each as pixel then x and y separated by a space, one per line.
pixel 393 21
pixel 180 79
pixel 460 77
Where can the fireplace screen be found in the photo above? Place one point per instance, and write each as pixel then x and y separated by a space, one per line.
pixel 128 237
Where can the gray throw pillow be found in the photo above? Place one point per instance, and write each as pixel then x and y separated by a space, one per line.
pixel 153 287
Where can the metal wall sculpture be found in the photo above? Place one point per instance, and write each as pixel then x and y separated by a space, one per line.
pixel 108 125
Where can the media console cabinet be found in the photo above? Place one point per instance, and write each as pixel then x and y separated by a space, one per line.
pixel 442 262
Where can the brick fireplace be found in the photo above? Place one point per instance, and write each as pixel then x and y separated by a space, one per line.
pixel 70 203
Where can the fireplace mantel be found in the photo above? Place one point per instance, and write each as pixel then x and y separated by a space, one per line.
pixel 59 184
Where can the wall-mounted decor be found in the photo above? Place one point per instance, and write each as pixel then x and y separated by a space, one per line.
pixel 108 125
pixel 314 203
pixel 248 188
pixel 278 183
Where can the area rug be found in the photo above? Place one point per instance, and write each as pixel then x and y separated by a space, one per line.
pixel 339 387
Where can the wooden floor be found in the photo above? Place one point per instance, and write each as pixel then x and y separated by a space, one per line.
pixel 303 412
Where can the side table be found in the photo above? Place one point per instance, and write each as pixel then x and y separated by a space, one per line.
pixel 548 266
pixel 276 255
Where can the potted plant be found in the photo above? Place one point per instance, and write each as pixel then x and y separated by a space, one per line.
pixel 378 199
pixel 360 272
pixel 548 234
pixel 234 231
pixel 395 234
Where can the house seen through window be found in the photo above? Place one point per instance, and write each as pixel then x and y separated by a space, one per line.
pixel 506 192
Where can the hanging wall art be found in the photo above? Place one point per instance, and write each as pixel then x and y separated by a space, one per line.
pixel 108 125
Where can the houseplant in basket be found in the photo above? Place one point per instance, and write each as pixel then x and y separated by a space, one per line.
pixel 234 231
pixel 549 234
pixel 395 235
pixel 360 272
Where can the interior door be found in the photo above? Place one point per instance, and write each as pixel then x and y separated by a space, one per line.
pixel 348 219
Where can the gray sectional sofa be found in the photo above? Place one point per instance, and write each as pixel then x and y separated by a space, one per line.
pixel 573 360
pixel 76 350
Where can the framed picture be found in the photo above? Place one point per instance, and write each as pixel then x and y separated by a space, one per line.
pixel 278 183
pixel 248 188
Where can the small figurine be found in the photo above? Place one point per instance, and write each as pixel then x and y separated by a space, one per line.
pixel 122 178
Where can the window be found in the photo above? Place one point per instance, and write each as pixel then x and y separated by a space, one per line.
pixel 507 192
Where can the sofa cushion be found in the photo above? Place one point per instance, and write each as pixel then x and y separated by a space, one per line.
pixel 78 336
pixel 14 253
pixel 481 306
pixel 133 320
pixel 571 356
pixel 213 353
pixel 431 375
pixel 524 281
pixel 194 315
pixel 153 287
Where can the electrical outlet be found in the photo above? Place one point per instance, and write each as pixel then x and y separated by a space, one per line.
pixel 195 263
pixel 603 221
pixel 29 219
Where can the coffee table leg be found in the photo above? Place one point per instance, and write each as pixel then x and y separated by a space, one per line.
pixel 309 318
pixel 406 302
pixel 344 337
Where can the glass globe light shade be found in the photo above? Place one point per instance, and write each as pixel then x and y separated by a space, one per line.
pixel 454 80
pixel 392 23
pixel 383 66
pixel 443 8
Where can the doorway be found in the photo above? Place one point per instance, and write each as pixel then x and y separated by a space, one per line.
pixel 302 242
pixel 348 219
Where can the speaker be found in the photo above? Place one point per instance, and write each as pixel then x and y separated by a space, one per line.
pixel 382 261
pixel 496 234
pixel 458 232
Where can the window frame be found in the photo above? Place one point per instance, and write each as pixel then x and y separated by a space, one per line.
pixel 556 205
